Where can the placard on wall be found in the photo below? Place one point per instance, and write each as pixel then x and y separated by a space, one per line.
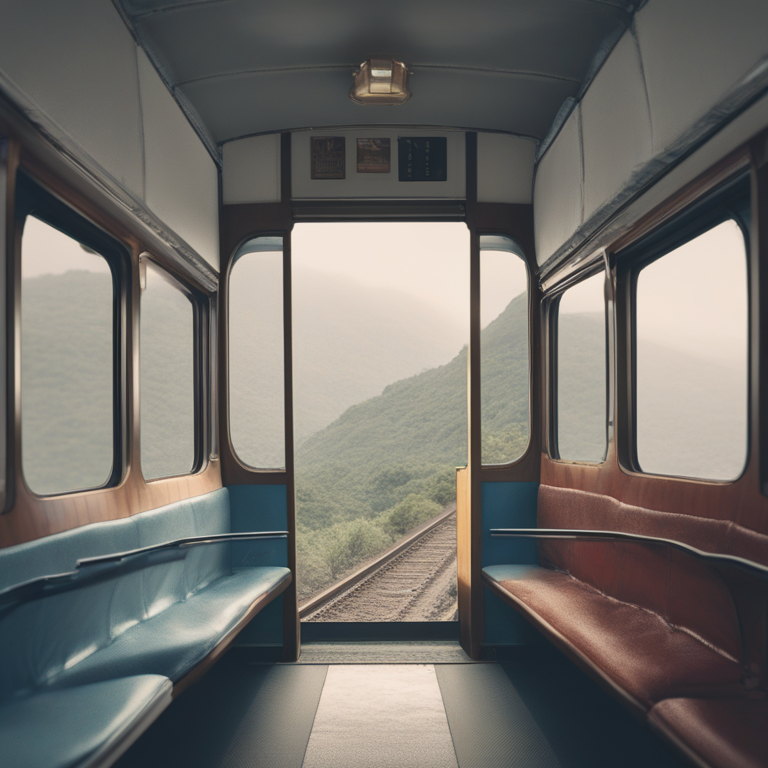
pixel 372 174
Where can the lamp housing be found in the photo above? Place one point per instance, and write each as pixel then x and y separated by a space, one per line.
pixel 382 82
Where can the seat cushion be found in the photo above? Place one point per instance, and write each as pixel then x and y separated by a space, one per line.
pixel 632 647
pixel 174 641
pixel 79 726
pixel 728 732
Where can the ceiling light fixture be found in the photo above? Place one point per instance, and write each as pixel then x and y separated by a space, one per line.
pixel 381 81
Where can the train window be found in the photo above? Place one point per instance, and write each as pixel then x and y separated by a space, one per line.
pixel 691 358
pixel 503 377
pixel 581 376
pixel 256 380
pixel 167 380
pixel 67 362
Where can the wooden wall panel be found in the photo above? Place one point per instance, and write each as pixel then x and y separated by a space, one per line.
pixel 29 516
pixel 740 505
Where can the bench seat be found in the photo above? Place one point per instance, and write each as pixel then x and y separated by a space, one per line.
pixel 730 732
pixel 100 624
pixel 80 726
pixel 173 642
pixel 633 649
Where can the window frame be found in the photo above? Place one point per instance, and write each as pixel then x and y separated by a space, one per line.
pixel 32 199
pixel 730 201
pixel 238 253
pixel 203 369
pixel 552 314
pixel 517 250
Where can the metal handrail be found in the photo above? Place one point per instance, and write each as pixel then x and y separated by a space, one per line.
pixel 592 535
pixel 94 570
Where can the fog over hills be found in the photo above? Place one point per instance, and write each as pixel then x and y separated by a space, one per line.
pixel 363 397
pixel 349 341
pixel 381 436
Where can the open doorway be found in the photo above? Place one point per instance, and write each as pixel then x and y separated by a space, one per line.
pixel 380 328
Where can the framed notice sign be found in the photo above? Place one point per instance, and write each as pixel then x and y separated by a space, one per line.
pixel 328 157
pixel 422 158
pixel 373 155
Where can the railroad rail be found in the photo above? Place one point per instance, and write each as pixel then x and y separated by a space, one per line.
pixel 415 580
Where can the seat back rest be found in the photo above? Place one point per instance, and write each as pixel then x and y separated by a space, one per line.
pixel 685 592
pixel 199 516
pixel 42 638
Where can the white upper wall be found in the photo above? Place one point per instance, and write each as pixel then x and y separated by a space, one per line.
pixel 679 61
pixel 504 168
pixel 559 188
pixel 251 172
pixel 75 69
pixel 182 185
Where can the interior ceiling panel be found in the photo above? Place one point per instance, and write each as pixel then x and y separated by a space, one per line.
pixel 252 67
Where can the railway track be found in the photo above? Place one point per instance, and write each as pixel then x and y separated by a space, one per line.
pixel 414 582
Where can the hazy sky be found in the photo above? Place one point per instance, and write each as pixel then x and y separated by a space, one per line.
pixel 429 261
pixel 46 251
pixel 693 299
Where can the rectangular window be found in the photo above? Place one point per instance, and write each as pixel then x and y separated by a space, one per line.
pixel 582 369
pixel 691 330
pixel 256 378
pixel 68 323
pixel 504 366
pixel 167 377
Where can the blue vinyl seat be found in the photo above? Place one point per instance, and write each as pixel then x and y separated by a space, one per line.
pixel 90 655
pixel 79 726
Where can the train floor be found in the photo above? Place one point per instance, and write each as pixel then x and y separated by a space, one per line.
pixel 417 705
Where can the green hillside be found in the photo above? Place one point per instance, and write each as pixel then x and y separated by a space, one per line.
pixel 389 463
pixel 423 419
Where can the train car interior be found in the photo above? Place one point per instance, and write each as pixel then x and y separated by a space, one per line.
pixel 383 384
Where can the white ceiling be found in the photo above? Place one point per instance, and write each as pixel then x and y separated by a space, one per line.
pixel 249 67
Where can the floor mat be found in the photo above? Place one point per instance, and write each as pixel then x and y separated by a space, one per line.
pixel 385 716
pixel 399 652
pixel 237 716
pixel 540 711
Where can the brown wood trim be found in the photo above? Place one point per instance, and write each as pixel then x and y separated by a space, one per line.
pixel 566 646
pixel 291 625
pixel 30 516
pixel 742 501
pixel 471 621
pixel 732 164
pixel 33 517
pixel 226 641
pixel 516 222
pixel 464 557
pixel 240 223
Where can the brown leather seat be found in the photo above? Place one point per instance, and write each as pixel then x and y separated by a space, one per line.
pixel 632 648
pixel 725 732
